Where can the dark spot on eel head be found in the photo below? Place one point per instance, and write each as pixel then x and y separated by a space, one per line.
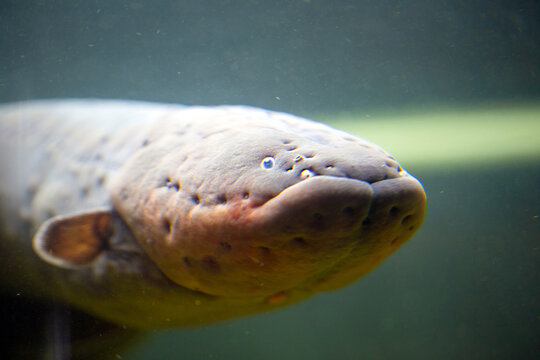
pixel 170 184
pixel 100 180
pixel 225 245
pixel 348 211
pixel 210 263
pixel 166 225
pixel 222 198
pixel 264 249
pixel 299 240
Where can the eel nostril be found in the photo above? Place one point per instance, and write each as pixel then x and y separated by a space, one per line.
pixel 393 210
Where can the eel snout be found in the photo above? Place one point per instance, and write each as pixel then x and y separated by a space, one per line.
pixel 397 210
pixel 345 226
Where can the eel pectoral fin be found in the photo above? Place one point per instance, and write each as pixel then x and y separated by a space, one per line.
pixel 75 240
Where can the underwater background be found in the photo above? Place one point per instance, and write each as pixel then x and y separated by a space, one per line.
pixel 451 88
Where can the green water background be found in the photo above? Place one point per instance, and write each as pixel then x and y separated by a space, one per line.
pixel 449 87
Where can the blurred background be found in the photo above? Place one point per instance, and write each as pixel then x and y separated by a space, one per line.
pixel 313 55
pixel 451 88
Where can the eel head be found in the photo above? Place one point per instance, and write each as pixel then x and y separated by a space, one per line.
pixel 268 206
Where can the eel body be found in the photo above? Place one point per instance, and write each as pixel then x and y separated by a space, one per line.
pixel 157 215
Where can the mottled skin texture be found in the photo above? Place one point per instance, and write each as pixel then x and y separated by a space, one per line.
pixel 160 215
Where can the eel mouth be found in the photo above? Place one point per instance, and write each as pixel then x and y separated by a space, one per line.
pixel 318 234
pixel 316 205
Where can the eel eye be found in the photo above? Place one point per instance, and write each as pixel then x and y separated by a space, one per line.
pixel 268 163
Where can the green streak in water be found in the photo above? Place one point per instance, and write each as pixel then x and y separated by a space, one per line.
pixel 445 137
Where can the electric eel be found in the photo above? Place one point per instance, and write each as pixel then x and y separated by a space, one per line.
pixel 159 215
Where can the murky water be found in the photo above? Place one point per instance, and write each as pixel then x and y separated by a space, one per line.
pixel 466 286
